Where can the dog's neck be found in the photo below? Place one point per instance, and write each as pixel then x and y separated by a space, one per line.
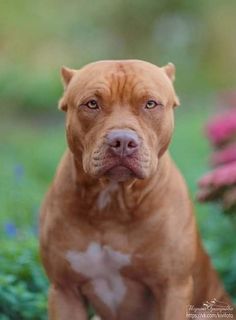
pixel 100 197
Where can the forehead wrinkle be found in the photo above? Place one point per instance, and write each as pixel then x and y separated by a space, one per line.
pixel 134 87
pixel 123 85
pixel 122 88
pixel 100 89
pixel 137 89
pixel 123 76
pixel 123 79
pixel 117 85
pixel 115 93
pixel 113 85
pixel 153 86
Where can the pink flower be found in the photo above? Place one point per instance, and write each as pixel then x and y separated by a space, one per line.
pixel 222 127
pixel 224 156
pixel 220 177
pixel 215 184
pixel 220 183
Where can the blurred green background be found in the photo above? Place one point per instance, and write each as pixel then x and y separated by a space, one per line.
pixel 36 39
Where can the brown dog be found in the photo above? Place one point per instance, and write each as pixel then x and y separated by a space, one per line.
pixel 117 225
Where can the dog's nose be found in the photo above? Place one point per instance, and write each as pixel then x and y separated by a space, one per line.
pixel 123 142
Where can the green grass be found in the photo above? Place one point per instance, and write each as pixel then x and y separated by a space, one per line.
pixel 29 154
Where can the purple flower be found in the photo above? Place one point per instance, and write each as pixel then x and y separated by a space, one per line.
pixel 10 229
pixel 19 172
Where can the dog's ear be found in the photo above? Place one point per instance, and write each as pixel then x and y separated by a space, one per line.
pixel 62 105
pixel 176 101
pixel 66 75
pixel 169 70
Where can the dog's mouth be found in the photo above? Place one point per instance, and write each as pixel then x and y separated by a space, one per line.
pixel 121 169
pixel 120 173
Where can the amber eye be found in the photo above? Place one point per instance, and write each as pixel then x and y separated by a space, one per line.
pixel 152 104
pixel 92 104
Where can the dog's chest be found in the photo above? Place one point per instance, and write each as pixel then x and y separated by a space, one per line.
pixel 102 266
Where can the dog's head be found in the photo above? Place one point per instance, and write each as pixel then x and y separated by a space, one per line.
pixel 119 116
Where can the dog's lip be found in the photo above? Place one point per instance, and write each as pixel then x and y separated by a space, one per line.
pixel 129 163
pixel 120 173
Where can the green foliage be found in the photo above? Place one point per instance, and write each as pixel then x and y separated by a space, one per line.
pixel 218 233
pixel 28 91
pixel 23 286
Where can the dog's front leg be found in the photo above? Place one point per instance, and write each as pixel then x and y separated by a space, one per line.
pixel 173 299
pixel 65 304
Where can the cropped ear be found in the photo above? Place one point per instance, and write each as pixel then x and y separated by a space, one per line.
pixel 169 69
pixel 176 101
pixel 66 75
pixel 62 105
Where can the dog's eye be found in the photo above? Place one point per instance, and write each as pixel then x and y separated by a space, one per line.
pixel 152 104
pixel 92 104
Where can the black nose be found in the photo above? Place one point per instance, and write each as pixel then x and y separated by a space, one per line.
pixel 123 142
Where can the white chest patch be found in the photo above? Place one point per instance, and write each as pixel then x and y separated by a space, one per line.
pixel 102 264
pixel 105 196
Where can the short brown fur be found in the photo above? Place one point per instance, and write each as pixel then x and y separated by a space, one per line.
pixel 149 217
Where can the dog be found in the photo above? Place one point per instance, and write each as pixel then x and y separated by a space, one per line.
pixel 117 228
